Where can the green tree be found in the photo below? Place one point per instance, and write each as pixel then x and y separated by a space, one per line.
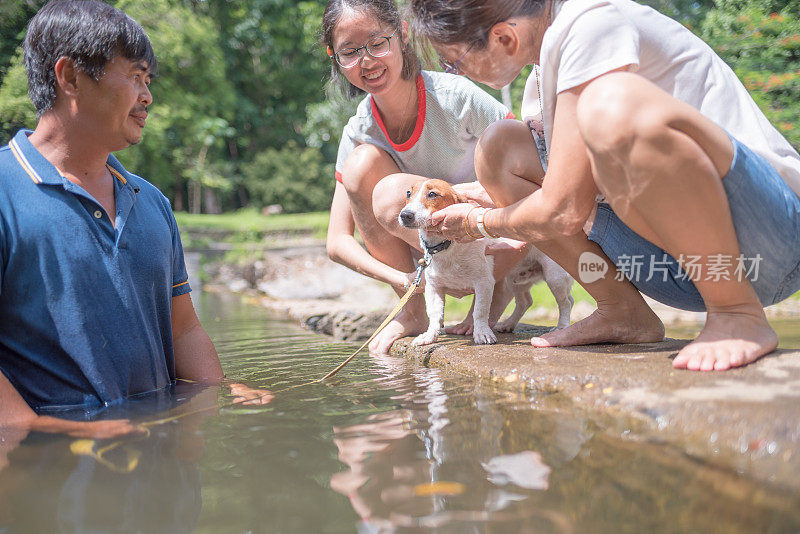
pixel 689 12
pixel 275 64
pixel 325 122
pixel 210 175
pixel 14 16
pixel 787 7
pixel 763 48
pixel 16 110
pixel 296 178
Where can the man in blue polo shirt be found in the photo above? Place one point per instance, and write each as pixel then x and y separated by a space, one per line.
pixel 94 295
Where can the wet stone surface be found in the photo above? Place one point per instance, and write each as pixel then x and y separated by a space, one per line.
pixel 747 419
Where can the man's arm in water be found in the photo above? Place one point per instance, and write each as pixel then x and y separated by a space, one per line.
pixel 17 419
pixel 196 358
pixel 17 415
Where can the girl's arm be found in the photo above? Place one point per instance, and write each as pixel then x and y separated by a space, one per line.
pixel 343 248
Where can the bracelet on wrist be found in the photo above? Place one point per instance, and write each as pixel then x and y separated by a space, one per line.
pixel 466 225
pixel 482 226
pixel 497 236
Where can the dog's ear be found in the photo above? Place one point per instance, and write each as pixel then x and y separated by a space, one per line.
pixel 460 199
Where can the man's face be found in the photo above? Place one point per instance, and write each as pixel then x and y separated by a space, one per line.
pixel 114 108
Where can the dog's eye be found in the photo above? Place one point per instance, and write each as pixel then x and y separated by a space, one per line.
pixel 408 194
pixel 432 194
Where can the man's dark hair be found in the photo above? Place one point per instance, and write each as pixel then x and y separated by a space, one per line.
pixel 89 32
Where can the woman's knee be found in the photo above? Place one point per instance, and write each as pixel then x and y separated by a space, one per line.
pixel 389 197
pixel 364 168
pixel 502 148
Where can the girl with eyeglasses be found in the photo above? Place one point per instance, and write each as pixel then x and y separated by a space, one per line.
pixel 651 134
pixel 410 124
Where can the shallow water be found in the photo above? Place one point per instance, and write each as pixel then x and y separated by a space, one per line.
pixel 386 446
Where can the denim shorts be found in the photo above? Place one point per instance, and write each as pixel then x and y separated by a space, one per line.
pixel 766 217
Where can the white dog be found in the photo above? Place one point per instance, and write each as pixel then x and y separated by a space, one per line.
pixel 465 266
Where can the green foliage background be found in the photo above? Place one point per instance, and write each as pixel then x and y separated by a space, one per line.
pixel 761 41
pixel 240 117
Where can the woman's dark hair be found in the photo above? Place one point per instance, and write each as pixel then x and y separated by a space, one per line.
pixel 89 32
pixel 467 21
pixel 383 10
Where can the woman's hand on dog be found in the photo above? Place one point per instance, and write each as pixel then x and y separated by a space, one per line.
pixel 474 192
pixel 449 222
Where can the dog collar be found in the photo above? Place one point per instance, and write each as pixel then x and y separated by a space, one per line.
pixel 433 249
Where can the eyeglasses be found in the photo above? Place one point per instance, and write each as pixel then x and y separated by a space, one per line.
pixel 452 68
pixel 376 47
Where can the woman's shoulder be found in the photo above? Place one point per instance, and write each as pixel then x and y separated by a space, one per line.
pixel 569 13
pixel 575 8
pixel 597 15
pixel 362 118
pixel 364 108
pixel 443 83
pixel 455 92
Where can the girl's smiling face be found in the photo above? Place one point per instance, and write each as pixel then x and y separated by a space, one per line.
pixel 370 74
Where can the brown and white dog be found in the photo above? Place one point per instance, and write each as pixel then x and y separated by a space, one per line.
pixel 465 266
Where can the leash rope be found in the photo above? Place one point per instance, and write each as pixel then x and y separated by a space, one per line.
pixel 87 447
pixel 402 302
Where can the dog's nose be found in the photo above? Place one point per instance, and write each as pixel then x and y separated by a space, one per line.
pixel 406 217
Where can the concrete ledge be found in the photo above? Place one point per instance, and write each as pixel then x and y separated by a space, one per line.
pixel 747 419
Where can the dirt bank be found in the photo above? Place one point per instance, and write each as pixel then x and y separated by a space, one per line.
pixel 303 283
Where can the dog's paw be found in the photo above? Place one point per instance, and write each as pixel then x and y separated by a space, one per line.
pixel 426 338
pixel 505 326
pixel 484 335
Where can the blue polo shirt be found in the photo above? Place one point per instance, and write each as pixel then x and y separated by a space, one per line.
pixel 84 305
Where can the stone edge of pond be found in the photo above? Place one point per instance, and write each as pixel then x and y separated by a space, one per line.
pixel 746 419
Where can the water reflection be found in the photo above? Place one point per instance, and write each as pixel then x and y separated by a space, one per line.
pixel 445 457
pixel 44 488
pixel 386 446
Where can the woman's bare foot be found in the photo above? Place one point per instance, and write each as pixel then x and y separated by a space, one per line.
pixel 464 328
pixel 501 296
pixel 410 322
pixel 631 322
pixel 730 338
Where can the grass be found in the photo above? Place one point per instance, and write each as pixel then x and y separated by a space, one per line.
pixel 250 221
pixel 457 309
pixel 248 231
